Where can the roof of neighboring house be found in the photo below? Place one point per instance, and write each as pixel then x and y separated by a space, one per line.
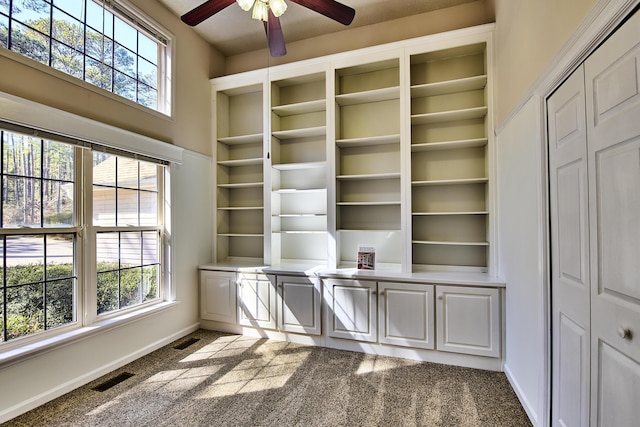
pixel 104 173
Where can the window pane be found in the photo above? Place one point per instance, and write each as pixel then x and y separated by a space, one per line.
pixel 150 283
pixel 97 16
pixel 98 74
pixel 58 204
pixel 68 30
pixel 104 169
pixel 99 47
pixel 4 7
pixel 148 208
pixel 21 155
pixel 130 249
pixel 24 259
pixel 21 203
pixel 60 306
pixel 59 256
pixel 4 33
pixel 67 59
pixel 124 86
pixel 104 206
pixel 147 48
pixel 147 96
pixel 58 161
pixel 29 43
pixel 147 73
pixel 107 251
pixel 128 173
pixel 125 34
pixel 74 8
pixel 25 310
pixel 150 245
pixel 130 286
pixel 127 207
pixel 34 13
pixel 107 291
pixel 124 61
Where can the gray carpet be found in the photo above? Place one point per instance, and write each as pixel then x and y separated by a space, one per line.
pixel 230 380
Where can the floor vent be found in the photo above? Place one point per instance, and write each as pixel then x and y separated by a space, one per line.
pixel 186 343
pixel 113 381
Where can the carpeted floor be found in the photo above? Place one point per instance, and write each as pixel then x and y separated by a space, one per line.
pixel 230 380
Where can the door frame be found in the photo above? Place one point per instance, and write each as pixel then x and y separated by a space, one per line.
pixel 605 17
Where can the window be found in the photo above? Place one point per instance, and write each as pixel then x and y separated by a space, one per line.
pixel 128 230
pixel 98 41
pixel 41 238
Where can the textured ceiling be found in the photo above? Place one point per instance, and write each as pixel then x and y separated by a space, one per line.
pixel 232 31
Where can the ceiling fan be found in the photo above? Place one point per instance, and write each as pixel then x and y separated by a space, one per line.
pixel 269 12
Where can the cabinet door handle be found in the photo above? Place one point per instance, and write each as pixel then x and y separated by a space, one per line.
pixel 624 333
pixel 440 297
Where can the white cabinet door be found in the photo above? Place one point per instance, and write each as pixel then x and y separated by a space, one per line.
pixel 406 313
pixel 468 320
pixel 257 300
pixel 218 296
pixel 351 309
pixel 612 76
pixel 299 304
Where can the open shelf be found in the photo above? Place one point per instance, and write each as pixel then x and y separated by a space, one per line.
pixel 300 133
pixel 449 116
pixel 375 95
pixel 449 145
pixel 449 86
pixel 300 108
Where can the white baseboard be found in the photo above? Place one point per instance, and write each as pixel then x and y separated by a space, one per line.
pixel 74 383
pixel 532 412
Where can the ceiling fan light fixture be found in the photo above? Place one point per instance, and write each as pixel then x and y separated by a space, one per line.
pixel 261 10
pixel 278 7
pixel 245 4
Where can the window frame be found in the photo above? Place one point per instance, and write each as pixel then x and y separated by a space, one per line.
pixel 144 24
pixel 90 253
pixel 85 310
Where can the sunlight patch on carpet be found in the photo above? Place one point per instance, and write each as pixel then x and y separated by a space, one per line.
pixel 256 375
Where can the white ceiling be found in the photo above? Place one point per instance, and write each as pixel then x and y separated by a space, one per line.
pixel 232 31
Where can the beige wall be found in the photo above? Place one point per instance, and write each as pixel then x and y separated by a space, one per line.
pixel 529 34
pixel 465 15
pixel 194 63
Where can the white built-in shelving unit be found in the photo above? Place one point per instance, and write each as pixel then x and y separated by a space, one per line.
pixel 368 161
pixel 298 154
pixel 240 174
pixel 387 146
pixel 449 158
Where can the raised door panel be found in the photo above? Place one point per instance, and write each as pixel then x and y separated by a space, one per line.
pixel 468 320
pixel 218 296
pixel 612 76
pixel 570 282
pixel 299 305
pixel 618 391
pixel 257 300
pixel 351 309
pixel 406 313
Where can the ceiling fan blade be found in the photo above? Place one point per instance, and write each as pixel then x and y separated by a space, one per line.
pixel 331 9
pixel 275 38
pixel 204 11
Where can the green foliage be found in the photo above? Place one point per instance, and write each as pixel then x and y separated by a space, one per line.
pixel 27 295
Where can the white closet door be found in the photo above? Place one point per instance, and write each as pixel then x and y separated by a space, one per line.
pixel 612 77
pixel 570 253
